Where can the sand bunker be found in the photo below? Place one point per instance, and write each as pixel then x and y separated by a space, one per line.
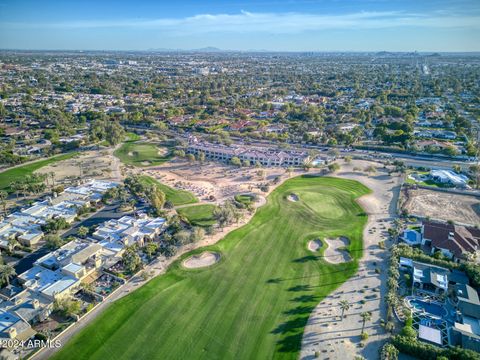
pixel 314 245
pixel 293 197
pixel 334 253
pixel 130 153
pixel 207 258
pixel 146 163
pixel 162 151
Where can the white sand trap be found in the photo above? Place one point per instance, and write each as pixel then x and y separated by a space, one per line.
pixel 162 151
pixel 293 197
pixel 130 153
pixel 314 245
pixel 207 258
pixel 146 163
pixel 333 253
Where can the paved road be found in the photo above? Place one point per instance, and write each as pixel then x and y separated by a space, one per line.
pixel 27 262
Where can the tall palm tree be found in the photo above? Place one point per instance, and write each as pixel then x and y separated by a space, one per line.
pixel 345 306
pixel 7 272
pixel 3 200
pixel 15 188
pixel 12 242
pixel 366 316
pixel 52 176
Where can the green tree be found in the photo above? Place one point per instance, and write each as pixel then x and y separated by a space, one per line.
pixel 366 316
pixel 224 214
pixel 53 241
pixel 236 161
pixel 82 231
pixel 131 259
pixel 150 249
pixel 179 153
pixel 3 201
pixel 198 233
pixel 390 352
pixel 6 272
pixel 183 237
pixel 345 306
pixel 333 167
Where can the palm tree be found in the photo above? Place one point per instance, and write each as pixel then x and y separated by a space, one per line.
pixel 7 272
pixel 12 242
pixel 52 176
pixel 15 188
pixel 3 201
pixel 366 316
pixel 344 305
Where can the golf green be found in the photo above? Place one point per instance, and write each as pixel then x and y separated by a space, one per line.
pixel 175 196
pixel 141 154
pixel 199 215
pixel 255 302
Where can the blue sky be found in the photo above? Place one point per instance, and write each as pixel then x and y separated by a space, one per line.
pixel 303 25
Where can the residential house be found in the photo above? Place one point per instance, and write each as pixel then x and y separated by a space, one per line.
pixel 116 234
pixel 454 241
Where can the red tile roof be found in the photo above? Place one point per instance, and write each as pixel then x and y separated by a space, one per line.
pixel 459 240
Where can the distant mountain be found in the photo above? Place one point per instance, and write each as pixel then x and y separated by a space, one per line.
pixel 209 49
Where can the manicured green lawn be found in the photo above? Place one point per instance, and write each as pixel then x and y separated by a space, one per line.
pixel 245 199
pixel 176 197
pixel 428 182
pixel 255 303
pixel 20 172
pixel 130 137
pixel 200 215
pixel 140 154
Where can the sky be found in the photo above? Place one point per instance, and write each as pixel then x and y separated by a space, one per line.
pixel 276 25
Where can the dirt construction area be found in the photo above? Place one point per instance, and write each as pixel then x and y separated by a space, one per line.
pixel 438 205
pixel 90 164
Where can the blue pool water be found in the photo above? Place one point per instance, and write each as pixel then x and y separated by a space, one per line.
pixel 431 308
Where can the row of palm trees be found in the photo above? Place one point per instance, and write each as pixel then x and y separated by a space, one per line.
pixel 366 315
pixel 34 183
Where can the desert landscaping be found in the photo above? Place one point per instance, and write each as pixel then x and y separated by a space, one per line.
pixel 326 335
pixel 442 206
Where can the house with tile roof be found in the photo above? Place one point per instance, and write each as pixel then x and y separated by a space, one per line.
pixel 456 242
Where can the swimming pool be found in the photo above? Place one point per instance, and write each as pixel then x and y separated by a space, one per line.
pixel 431 308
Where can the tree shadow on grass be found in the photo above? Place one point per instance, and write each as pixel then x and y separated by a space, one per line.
pixel 306 258
pixel 293 325
pixel 305 298
pixel 274 281
pixel 298 288
pixel 292 334
pixel 290 343
pixel 300 310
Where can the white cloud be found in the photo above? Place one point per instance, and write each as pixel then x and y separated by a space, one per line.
pixel 275 23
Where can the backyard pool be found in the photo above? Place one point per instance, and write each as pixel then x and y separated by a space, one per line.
pixel 429 307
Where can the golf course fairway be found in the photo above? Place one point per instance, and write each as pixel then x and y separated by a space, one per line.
pixel 255 302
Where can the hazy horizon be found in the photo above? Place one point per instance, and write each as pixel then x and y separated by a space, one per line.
pixel 278 26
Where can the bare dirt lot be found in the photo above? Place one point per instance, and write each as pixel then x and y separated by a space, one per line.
pixel 438 205
pixel 91 164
